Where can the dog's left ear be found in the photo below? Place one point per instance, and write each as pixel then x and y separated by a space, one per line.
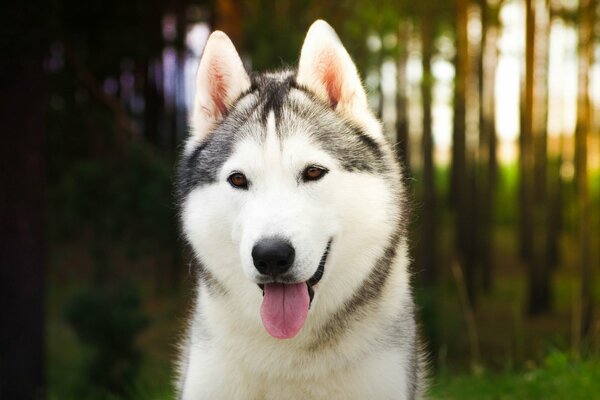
pixel 326 69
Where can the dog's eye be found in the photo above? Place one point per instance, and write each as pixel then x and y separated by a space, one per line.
pixel 238 180
pixel 313 173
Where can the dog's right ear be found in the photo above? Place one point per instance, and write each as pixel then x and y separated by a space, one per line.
pixel 221 79
pixel 326 68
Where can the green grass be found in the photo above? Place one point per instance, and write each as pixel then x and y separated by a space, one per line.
pixel 557 378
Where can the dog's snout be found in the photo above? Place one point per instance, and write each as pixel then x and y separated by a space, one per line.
pixel 273 256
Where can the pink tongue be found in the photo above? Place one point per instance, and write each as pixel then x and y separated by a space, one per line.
pixel 284 309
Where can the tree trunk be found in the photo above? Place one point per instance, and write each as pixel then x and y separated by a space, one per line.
pixel 152 84
pixel 526 142
pixel 554 210
pixel 461 63
pixel 584 115
pixel 402 139
pixel 22 179
pixel 380 94
pixel 462 191
pixel 540 285
pixel 429 199
pixel 487 141
pixel 153 104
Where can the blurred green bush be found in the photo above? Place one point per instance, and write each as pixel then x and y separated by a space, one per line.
pixel 108 319
pixel 125 198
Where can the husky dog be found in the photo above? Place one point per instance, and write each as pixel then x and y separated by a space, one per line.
pixel 291 199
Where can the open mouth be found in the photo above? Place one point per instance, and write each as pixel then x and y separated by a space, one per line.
pixel 318 274
pixel 285 305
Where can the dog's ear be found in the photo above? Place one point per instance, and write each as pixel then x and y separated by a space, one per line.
pixel 221 79
pixel 326 69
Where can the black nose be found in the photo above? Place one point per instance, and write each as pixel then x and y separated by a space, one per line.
pixel 273 256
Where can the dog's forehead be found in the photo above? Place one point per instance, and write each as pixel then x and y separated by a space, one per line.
pixel 286 149
pixel 296 112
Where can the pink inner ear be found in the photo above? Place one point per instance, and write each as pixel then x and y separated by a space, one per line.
pixel 218 88
pixel 331 75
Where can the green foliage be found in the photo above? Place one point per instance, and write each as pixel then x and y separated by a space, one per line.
pixel 124 199
pixel 507 194
pixel 108 320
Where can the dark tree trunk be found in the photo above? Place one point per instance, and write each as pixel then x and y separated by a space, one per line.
pixel 429 199
pixel 151 67
pixel 402 139
pixel 463 178
pixel 153 105
pixel 461 66
pixel 584 116
pixel 554 210
pixel 22 179
pixel 380 95
pixel 461 63
pixel 487 142
pixel 526 143
pixel 540 298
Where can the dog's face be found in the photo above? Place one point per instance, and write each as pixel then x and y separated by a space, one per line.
pixel 284 172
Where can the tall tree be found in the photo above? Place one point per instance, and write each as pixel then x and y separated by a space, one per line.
pixel 402 139
pixel 461 66
pixel 587 9
pixel 462 184
pixel 526 141
pixel 22 178
pixel 429 197
pixel 554 185
pixel 540 289
pixel 488 58
pixel 153 94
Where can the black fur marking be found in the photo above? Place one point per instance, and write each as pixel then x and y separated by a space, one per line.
pixel 356 151
pixel 187 176
pixel 273 95
pixel 368 141
pixel 201 166
pixel 321 268
pixel 212 284
pixel 357 307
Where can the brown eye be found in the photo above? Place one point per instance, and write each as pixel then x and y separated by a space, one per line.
pixel 313 173
pixel 238 180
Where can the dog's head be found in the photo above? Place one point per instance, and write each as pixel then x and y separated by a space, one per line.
pixel 286 180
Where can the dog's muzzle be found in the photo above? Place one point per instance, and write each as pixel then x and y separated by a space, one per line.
pixel 285 305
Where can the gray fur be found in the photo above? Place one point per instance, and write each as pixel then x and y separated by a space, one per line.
pixel 293 106
pixel 212 284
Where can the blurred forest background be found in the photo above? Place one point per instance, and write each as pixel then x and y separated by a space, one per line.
pixel 494 107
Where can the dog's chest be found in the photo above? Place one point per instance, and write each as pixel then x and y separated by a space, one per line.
pixel 252 372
